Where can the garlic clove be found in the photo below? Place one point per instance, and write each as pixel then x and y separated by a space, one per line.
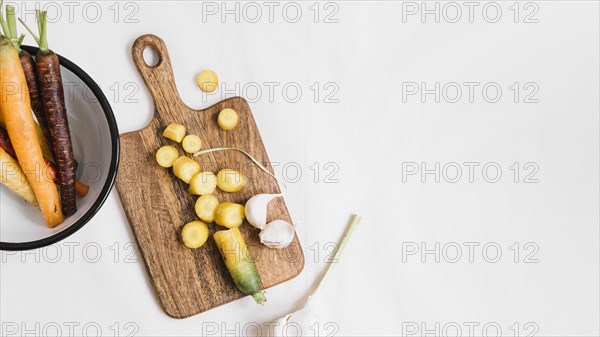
pixel 277 234
pixel 256 209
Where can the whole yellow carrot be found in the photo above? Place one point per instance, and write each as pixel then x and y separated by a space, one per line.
pixel 15 108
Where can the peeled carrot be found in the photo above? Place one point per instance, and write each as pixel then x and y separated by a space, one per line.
pixel 40 137
pixel 15 108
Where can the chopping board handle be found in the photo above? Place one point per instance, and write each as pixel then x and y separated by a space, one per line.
pixel 158 78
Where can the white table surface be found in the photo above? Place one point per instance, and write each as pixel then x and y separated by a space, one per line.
pixel 367 126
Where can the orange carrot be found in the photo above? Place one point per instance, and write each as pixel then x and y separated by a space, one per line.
pixel 40 137
pixel 15 108
pixel 81 189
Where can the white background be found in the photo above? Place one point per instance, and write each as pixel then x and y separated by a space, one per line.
pixel 371 55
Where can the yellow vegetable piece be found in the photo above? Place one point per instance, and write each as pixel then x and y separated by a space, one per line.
pixel 166 156
pixel 203 183
pixel 13 177
pixel 230 180
pixel 185 168
pixel 191 143
pixel 229 215
pixel 194 234
pixel 205 207
pixel 174 132
pixel 239 263
pixel 228 119
pixel 208 80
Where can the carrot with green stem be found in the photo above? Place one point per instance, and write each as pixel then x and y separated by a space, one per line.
pixel 53 96
pixel 239 263
pixel 15 108
pixel 27 62
pixel 9 28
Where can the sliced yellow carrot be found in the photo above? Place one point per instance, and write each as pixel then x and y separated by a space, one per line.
pixel 207 80
pixel 194 234
pixel 228 119
pixel 185 168
pixel 166 156
pixel 191 143
pixel 174 132
pixel 203 183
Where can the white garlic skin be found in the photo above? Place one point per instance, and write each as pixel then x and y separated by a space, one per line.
pixel 256 209
pixel 278 327
pixel 277 234
pixel 303 322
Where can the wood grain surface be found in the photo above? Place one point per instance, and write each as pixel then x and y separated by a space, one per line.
pixel 157 204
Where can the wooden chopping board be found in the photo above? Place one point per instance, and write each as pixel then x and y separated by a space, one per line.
pixel 157 204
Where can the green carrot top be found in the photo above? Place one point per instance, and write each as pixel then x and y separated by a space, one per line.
pixel 41 40
pixel 9 26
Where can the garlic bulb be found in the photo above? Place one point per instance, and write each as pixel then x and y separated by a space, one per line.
pixel 277 234
pixel 256 209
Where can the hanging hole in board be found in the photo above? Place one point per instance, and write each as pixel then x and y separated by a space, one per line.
pixel 151 57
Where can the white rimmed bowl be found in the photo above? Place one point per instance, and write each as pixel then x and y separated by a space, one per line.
pixel 96 147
